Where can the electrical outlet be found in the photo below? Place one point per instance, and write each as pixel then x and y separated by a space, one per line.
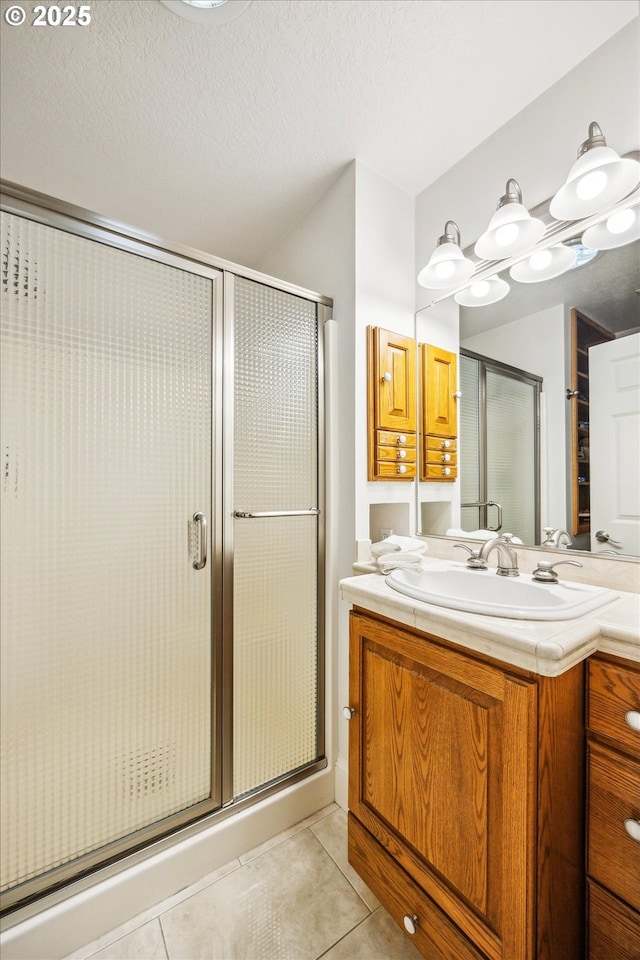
pixel 385 532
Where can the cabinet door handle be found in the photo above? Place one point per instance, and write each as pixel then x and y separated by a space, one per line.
pixel 348 712
pixel 633 719
pixel 386 377
pixel 410 922
pixel 633 829
pixel 457 394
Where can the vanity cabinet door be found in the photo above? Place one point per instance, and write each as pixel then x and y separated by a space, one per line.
pixel 443 753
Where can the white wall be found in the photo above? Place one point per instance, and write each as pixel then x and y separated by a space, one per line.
pixel 536 344
pixel 384 298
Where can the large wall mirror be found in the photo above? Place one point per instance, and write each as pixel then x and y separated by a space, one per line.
pixel 523 443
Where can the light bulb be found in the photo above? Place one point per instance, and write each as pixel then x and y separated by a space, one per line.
pixel 506 234
pixel 444 269
pixel 479 289
pixel 540 260
pixel 620 221
pixel 591 185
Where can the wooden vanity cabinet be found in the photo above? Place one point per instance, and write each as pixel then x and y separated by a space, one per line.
pixel 613 806
pixel 465 796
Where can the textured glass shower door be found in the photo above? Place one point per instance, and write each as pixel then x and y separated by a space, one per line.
pixel 499 447
pixel 106 602
pixel 274 541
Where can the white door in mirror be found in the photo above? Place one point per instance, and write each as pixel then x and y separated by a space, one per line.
pixel 614 447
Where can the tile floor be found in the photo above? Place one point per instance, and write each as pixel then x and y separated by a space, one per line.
pixel 293 898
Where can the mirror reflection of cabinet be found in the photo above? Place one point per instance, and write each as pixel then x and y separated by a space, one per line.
pixel 585 333
pixel 391 377
pixel 439 427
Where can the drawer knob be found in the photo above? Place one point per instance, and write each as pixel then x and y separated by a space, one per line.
pixel 402 438
pixel 446 457
pixel 445 444
pixel 633 829
pixel 402 454
pixel 402 468
pixel 633 719
pixel 446 471
pixel 348 712
pixel 410 923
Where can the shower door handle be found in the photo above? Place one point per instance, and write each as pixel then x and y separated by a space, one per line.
pixel 201 562
pixel 253 515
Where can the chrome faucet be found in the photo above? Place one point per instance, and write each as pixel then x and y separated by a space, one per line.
pixel 556 538
pixel 503 545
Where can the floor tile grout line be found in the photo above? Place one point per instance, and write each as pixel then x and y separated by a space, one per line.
pixel 164 939
pixel 347 878
pixel 347 934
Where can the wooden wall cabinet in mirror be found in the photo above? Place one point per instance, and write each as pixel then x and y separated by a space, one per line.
pixel 439 427
pixel 391 402
pixel 585 333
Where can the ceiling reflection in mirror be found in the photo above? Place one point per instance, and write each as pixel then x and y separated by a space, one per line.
pixel 529 328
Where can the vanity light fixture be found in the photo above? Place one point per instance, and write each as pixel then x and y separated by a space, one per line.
pixel 598 179
pixel 483 292
pixel 621 227
pixel 544 264
pixel 511 230
pixel 447 266
pixel 207 11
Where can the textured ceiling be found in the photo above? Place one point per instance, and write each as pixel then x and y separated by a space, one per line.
pixel 222 137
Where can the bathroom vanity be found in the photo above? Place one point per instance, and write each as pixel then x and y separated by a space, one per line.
pixel 471 814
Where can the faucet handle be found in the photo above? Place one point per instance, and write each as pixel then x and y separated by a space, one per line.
pixel 545 572
pixel 474 561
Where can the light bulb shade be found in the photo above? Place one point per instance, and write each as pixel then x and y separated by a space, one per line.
pixel 620 228
pixel 511 230
pixel 598 179
pixel 448 267
pixel 483 292
pixel 544 264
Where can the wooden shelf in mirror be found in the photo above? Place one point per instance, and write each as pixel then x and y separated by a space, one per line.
pixel 585 333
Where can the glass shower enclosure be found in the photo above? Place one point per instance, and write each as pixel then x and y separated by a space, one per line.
pixel 161 541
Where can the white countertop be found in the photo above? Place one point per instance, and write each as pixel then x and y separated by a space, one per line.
pixel 548 647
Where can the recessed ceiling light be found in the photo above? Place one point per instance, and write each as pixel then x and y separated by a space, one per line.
pixel 207 11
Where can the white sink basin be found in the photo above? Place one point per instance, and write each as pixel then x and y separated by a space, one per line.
pixel 482 591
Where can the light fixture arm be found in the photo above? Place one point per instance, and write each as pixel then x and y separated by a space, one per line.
pixel 450 237
pixel 595 139
pixel 513 193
